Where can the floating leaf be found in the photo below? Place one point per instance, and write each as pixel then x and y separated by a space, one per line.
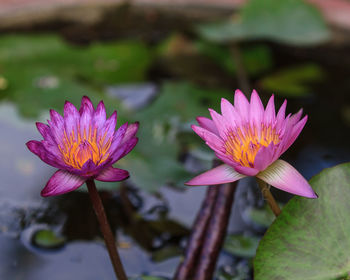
pixel 262 217
pixel 166 253
pixel 241 245
pixel 310 239
pixel 289 21
pixel 42 71
pixel 294 81
pixel 47 239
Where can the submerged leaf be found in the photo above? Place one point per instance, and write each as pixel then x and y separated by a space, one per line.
pixel 289 21
pixel 242 246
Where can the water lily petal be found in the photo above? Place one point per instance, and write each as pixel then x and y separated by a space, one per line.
pixel 256 112
pixel 62 182
pixel 241 105
pixel 111 174
pixel 56 124
pixel 218 175
pixel 264 157
pixel 100 115
pixel 130 132
pixel 248 171
pixel 270 113
pixel 229 112
pixel 46 156
pixel 212 140
pixel 282 175
pixel 86 106
pixel 123 150
pixel 207 124
pixel 294 133
pixel 109 127
pixel 71 118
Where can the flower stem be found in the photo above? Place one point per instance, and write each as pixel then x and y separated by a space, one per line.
pixel 106 230
pixel 265 189
pixel 194 245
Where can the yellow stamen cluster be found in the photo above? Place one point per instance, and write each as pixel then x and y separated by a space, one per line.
pixel 78 148
pixel 243 143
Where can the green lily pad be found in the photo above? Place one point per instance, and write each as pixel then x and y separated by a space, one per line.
pixel 241 245
pixel 48 239
pixel 289 21
pixel 294 81
pixel 310 239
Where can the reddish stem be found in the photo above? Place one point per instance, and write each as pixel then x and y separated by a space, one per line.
pixel 186 269
pixel 106 230
pixel 215 232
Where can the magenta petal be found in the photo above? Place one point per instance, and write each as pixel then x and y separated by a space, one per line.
pixel 123 150
pixel 37 147
pixel 264 157
pixel 111 174
pixel 241 105
pixel 118 137
pixel 270 113
pixel 256 113
pixel 223 126
pixel 229 112
pixel 109 126
pixel 283 176
pixel 296 129
pixel 100 115
pixel 211 139
pixel 207 124
pixel 71 118
pixel 62 182
pixel 281 113
pixel 248 171
pixel 218 175
pixel 86 106
pixel 130 132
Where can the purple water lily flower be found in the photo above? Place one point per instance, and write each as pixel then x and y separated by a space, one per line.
pixel 249 140
pixel 83 145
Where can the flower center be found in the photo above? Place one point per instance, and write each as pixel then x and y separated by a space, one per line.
pixel 78 148
pixel 243 143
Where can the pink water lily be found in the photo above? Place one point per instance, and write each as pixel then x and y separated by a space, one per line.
pixel 83 145
pixel 249 140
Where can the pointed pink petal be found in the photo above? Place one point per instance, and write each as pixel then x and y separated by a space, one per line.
pixel 56 126
pixel 111 174
pixel 296 117
pixel 295 131
pixel 71 118
pixel 208 124
pixel 222 124
pixel 248 171
pixel 270 113
pixel 256 112
pixel 118 137
pixel 229 112
pixel 212 140
pixel 218 175
pixel 45 131
pixel 100 115
pixel 281 113
pixel 283 176
pixel 62 182
pixel 241 105
pixel 109 126
pixel 37 147
pixel 264 157
pixel 86 106
pixel 123 150
pixel 130 132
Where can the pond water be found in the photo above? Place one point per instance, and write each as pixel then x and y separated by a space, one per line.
pixel 151 228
